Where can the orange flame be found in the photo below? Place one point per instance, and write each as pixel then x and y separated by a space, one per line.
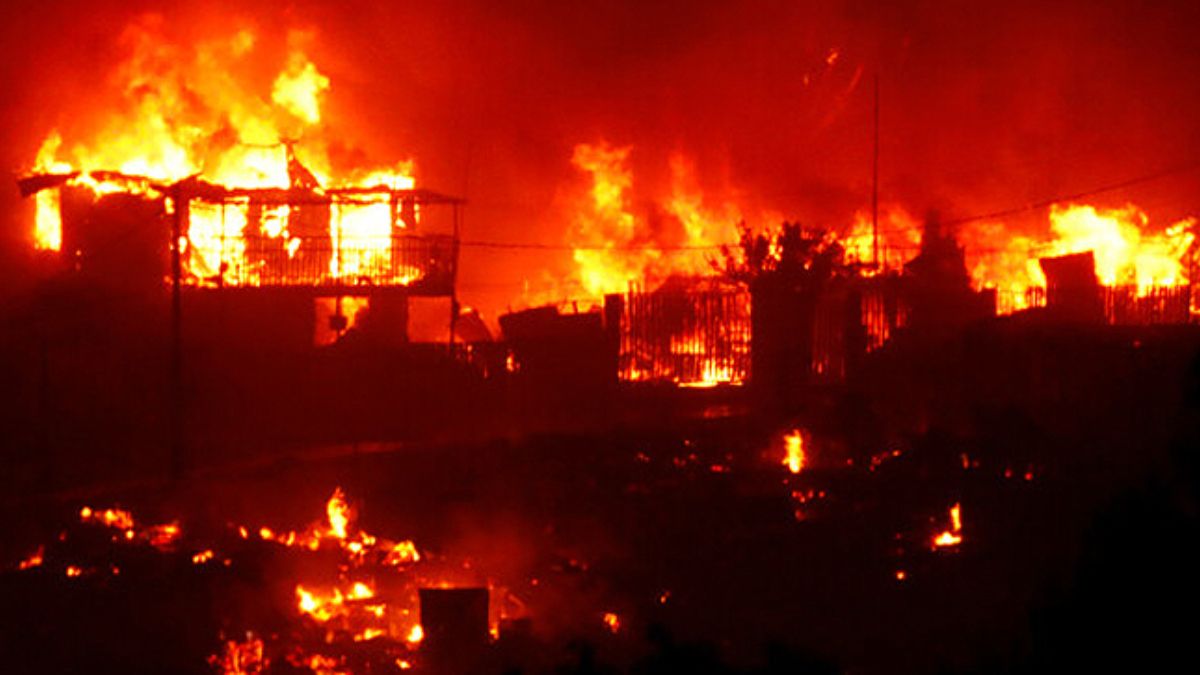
pixel 34 560
pixel 794 457
pixel 115 518
pixel 196 109
pixel 952 536
pixel 614 246
pixel 241 657
pixel 1126 247
pixel 339 514
pixel 899 239
pixel 1125 250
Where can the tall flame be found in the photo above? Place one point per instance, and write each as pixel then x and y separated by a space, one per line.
pixel 898 241
pixel 608 225
pixel 615 246
pixel 794 456
pixel 953 536
pixel 339 514
pixel 200 109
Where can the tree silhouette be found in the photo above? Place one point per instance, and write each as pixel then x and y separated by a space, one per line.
pixel 791 257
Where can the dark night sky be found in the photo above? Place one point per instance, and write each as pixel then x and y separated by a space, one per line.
pixel 983 106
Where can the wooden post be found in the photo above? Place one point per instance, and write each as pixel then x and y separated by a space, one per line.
pixel 178 465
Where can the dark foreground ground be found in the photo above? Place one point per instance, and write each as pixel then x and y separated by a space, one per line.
pixel 1080 550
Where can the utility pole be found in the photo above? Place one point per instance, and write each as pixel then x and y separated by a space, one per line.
pixel 454 307
pixel 875 179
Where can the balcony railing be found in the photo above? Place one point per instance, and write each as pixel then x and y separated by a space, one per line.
pixel 423 263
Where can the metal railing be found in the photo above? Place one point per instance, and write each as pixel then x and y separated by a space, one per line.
pixel 1127 305
pixel 426 262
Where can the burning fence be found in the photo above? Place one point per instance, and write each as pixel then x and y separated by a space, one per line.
pixel 905 278
pixel 691 333
pixel 698 337
pixel 702 332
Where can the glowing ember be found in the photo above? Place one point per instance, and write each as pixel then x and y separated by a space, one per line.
pixel 953 536
pixel 877 460
pixel 241 657
pixel 309 604
pixel 369 634
pixel 335 613
pixel 360 591
pixel 114 518
pixel 947 539
pixel 326 607
pixel 324 665
pixel 34 560
pixel 163 536
pixel 794 457
pixel 403 552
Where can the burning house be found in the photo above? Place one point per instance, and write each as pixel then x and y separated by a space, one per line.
pixel 213 234
pixel 338 247
pixel 262 278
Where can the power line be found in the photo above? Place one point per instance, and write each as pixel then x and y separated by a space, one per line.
pixel 589 247
pixel 991 215
pixel 1146 178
